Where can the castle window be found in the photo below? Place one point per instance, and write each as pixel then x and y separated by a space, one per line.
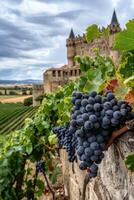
pixel 59 73
pixel 71 73
pixel 54 73
pixel 75 72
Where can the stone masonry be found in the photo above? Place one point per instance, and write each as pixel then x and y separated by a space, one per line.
pixel 77 45
pixel 113 182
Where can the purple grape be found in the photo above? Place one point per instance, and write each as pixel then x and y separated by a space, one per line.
pixel 93 94
pixel 117 115
pixel 84 102
pixel 110 96
pixel 91 100
pixel 94 145
pixel 97 107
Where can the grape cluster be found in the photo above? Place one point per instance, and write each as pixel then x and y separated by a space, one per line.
pixel 40 166
pixel 93 119
pixel 67 140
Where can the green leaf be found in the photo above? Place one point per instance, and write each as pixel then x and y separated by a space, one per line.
pixel 92 32
pixel 94 80
pixel 45 124
pixel 52 139
pixel 29 148
pixel 124 40
pixel 40 184
pixel 129 81
pixel 126 70
pixel 106 33
pixel 130 162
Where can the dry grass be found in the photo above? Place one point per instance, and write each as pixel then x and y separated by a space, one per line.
pixel 14 99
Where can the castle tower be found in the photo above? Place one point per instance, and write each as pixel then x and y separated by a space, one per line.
pixel 114 28
pixel 114 25
pixel 37 91
pixel 70 44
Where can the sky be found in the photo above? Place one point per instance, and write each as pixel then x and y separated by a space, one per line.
pixel 33 33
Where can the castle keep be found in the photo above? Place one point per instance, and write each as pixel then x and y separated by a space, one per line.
pixel 77 45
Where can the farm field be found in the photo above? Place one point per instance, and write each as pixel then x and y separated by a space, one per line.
pixel 13 115
pixel 8 96
pixel 13 98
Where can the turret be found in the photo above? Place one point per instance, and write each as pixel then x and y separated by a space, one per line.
pixel 70 44
pixel 114 28
pixel 114 25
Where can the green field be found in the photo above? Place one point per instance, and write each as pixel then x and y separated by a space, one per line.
pixel 13 115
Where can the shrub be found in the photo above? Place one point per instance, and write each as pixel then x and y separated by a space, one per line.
pixel 12 92
pixel 40 98
pixel 28 101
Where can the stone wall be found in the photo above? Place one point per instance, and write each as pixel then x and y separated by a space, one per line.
pixel 37 91
pixel 114 181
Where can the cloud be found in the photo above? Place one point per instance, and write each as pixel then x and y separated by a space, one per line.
pixel 14 1
pixel 33 32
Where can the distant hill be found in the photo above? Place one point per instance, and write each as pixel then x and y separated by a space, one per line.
pixel 20 82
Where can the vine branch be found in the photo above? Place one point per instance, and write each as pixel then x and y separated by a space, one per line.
pixel 48 185
pixel 129 126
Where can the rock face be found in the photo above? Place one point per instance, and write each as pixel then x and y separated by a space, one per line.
pixel 114 181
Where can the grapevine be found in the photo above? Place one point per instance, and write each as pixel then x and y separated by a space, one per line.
pixel 83 119
pixel 93 120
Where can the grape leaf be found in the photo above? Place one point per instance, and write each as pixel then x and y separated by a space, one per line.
pixel 52 139
pixel 94 80
pixel 130 81
pixel 92 32
pixel 126 70
pixel 124 40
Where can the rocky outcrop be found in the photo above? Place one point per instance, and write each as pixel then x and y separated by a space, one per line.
pixel 114 181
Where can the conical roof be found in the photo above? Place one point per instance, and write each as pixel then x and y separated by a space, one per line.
pixel 114 18
pixel 71 35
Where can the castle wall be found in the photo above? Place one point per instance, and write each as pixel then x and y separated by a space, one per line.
pixel 55 77
pixel 115 55
pixel 82 48
pixel 37 91
pixel 59 76
pixel 79 46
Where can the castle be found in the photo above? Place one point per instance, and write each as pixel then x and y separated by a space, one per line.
pixel 77 45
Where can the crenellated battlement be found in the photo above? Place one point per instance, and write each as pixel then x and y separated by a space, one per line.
pixel 37 86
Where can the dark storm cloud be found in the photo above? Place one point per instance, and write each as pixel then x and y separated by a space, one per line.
pixel 54 20
pixel 14 40
pixel 71 15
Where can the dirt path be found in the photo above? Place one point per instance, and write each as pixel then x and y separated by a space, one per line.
pixel 15 99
